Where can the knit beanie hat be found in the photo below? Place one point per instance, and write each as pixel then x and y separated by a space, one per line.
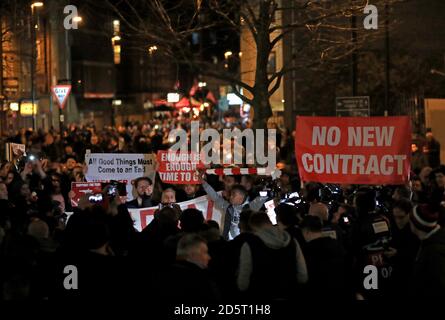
pixel 424 217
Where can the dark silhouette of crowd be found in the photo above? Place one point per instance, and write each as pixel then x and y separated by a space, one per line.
pixel 324 238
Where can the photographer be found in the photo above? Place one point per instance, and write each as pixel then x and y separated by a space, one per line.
pixel 325 259
pixel 118 220
pixel 271 263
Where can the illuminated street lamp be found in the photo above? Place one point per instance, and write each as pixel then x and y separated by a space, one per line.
pixel 77 19
pixel 37 4
pixel 152 49
pixel 227 54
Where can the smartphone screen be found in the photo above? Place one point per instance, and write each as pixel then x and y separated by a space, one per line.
pixel 270 207
pixel 95 198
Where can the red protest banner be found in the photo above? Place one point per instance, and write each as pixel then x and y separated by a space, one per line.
pixel 82 188
pixel 354 150
pixel 179 167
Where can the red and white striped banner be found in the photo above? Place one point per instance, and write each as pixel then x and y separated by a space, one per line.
pixel 239 171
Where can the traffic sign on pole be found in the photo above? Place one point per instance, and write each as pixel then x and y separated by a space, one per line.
pixel 61 93
pixel 357 106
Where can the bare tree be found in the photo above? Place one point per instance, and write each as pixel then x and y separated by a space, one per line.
pixel 323 29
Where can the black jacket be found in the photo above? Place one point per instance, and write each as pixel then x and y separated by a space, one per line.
pixel 434 153
pixel 429 269
pixel 407 246
pixel 185 282
pixel 134 204
pixel 325 259
pixel 418 161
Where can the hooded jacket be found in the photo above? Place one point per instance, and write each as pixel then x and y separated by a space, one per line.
pixel 271 264
pixel 325 259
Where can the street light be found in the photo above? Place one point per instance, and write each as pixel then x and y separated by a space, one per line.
pixel 152 49
pixel 77 19
pixel 33 58
pixel 37 5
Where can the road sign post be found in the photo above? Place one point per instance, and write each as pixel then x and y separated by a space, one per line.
pixel 358 106
pixel 61 93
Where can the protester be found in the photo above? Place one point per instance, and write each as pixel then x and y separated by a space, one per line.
pixel 189 192
pixel 168 196
pixel 403 248
pixel 325 259
pixel 418 159
pixel 432 150
pixel 428 281
pixel 271 264
pixel 187 280
pixel 144 190
pixel 232 208
pixel 246 256
pixel 370 236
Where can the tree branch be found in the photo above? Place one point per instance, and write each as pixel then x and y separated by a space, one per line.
pixel 276 85
pixel 241 96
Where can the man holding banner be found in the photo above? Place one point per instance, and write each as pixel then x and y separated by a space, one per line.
pixel 238 201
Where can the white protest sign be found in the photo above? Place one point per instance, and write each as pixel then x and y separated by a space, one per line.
pixel 61 93
pixel 143 216
pixel 104 167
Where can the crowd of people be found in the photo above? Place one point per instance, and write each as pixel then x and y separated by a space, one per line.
pixel 324 237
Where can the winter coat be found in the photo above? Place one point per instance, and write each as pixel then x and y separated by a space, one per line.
pixel 271 265
pixel 325 259
pixel 429 269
